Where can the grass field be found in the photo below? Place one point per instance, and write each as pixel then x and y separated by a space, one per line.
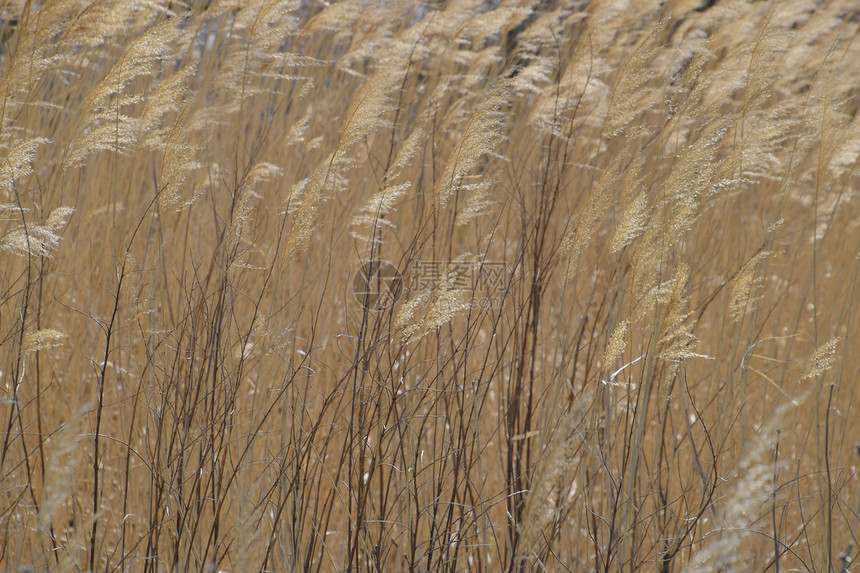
pixel 448 286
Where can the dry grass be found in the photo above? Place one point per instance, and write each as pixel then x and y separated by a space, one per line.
pixel 663 378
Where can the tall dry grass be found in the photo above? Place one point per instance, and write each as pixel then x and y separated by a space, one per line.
pixel 664 377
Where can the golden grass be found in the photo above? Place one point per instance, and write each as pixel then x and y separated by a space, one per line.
pixel 662 377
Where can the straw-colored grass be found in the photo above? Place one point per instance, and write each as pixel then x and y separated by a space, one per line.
pixel 626 333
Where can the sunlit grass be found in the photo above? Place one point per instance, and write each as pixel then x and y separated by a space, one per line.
pixel 621 332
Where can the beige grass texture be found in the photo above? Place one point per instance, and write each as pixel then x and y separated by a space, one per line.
pixel 662 377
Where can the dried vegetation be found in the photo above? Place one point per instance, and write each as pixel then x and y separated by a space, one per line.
pixel 662 376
